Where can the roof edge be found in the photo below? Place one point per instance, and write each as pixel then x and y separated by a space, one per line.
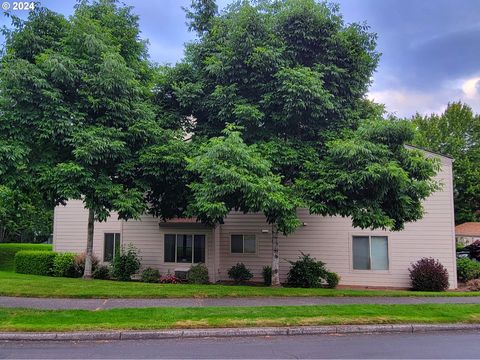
pixel 408 146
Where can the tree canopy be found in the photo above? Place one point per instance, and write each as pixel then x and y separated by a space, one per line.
pixel 456 132
pixel 76 96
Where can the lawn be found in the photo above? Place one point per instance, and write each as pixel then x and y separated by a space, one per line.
pixel 210 317
pixel 13 284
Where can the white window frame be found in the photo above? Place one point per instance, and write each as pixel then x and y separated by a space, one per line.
pixel 370 235
pixel 243 244
pixel 193 248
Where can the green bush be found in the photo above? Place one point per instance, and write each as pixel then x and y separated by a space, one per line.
pixel 80 264
pixel 468 269
pixel 428 274
pixel 101 272
pixel 8 251
pixel 198 274
pixel 332 280
pixel 34 262
pixel 150 275
pixel 125 264
pixel 239 273
pixel 64 265
pixel 306 272
pixel 267 275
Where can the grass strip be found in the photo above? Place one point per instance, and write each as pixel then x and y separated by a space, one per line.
pixel 218 317
pixel 12 284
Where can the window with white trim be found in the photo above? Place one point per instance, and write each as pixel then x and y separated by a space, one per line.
pixel 111 246
pixel 243 244
pixel 184 248
pixel 370 252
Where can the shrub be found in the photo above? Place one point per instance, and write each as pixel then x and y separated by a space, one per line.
pixel 80 264
pixel 101 272
pixel 169 279
pixel 150 275
pixel 468 269
pixel 239 273
pixel 267 275
pixel 473 285
pixel 64 265
pixel 332 280
pixel 428 274
pixel 8 251
pixel 198 274
pixel 125 264
pixel 34 262
pixel 306 272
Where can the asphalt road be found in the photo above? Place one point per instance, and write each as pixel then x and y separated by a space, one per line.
pixel 98 304
pixel 438 345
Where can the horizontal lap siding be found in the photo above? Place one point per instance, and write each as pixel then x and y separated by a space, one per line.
pixel 147 235
pixel 70 229
pixel 329 239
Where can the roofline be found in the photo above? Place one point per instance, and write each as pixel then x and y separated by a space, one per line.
pixel 429 151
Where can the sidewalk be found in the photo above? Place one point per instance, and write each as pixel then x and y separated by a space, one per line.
pixel 99 304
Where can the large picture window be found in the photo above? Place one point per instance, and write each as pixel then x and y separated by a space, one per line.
pixel 184 248
pixel 243 244
pixel 370 252
pixel 111 246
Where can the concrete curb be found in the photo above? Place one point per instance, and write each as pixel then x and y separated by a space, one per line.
pixel 231 332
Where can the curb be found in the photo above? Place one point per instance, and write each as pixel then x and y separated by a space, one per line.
pixel 232 332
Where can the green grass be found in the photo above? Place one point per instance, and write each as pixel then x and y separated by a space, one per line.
pixel 8 251
pixel 170 318
pixel 12 284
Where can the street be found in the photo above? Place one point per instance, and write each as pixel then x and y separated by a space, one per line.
pixel 446 345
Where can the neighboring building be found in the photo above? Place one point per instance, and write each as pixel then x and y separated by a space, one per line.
pixel 467 233
pixel 360 257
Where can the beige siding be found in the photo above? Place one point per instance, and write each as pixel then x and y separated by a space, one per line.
pixel 147 235
pixel 326 238
pixel 329 240
pixel 70 229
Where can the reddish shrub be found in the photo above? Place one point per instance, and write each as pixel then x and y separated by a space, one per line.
pixel 79 264
pixel 169 279
pixel 428 274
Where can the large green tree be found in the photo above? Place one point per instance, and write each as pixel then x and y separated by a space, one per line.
pixel 294 76
pixel 231 175
pixel 75 95
pixel 456 132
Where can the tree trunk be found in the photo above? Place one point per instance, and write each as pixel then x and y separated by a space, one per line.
pixel 275 257
pixel 87 274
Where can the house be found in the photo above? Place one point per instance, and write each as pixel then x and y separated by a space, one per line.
pixel 467 233
pixel 361 257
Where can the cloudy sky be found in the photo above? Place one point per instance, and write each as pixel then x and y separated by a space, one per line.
pixel 430 48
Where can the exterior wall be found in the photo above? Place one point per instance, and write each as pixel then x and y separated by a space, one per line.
pixel 147 235
pixel 70 229
pixel 326 238
pixel 467 240
pixel 329 239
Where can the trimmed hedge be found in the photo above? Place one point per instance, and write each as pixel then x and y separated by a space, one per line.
pixel 34 262
pixel 8 251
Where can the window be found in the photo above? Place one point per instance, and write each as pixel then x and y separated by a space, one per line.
pixel 370 252
pixel 184 248
pixel 243 244
pixel 111 246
